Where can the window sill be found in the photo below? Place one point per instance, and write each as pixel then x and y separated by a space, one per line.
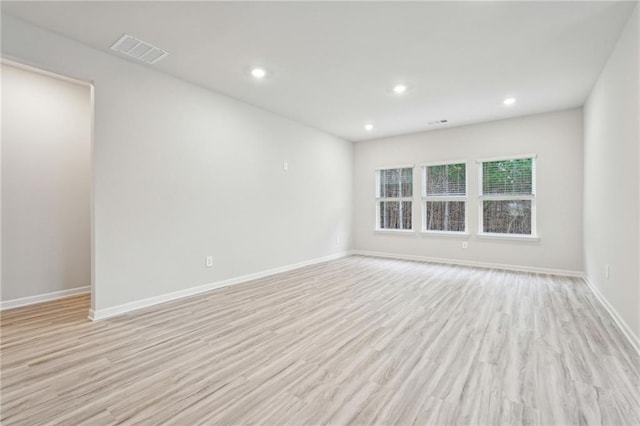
pixel 445 234
pixel 406 232
pixel 508 237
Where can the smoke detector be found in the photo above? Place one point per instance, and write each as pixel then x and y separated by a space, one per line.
pixel 138 49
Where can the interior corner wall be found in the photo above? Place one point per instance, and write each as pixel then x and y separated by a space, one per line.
pixel 181 172
pixel 612 182
pixel 556 139
pixel 46 181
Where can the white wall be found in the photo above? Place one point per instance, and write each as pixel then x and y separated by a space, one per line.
pixel 46 178
pixel 182 172
pixel 555 137
pixel 612 181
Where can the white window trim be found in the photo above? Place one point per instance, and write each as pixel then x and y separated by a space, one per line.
pixel 505 158
pixel 442 163
pixel 425 198
pixel 534 222
pixel 404 232
pixel 454 234
pixel 511 237
pixel 380 199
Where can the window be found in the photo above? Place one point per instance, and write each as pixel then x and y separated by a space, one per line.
pixel 394 197
pixel 507 194
pixel 444 197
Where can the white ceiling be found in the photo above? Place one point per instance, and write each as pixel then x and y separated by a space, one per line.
pixel 333 64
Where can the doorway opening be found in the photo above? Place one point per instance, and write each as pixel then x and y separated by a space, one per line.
pixel 46 187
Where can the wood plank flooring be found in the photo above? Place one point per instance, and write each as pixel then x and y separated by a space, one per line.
pixel 354 341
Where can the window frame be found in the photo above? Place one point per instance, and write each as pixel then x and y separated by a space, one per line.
pixel 426 198
pixel 508 197
pixel 380 200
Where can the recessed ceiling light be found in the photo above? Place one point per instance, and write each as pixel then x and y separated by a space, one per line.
pixel 399 89
pixel 368 127
pixel 509 101
pixel 258 72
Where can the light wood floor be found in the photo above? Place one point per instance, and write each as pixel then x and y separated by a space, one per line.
pixel 358 340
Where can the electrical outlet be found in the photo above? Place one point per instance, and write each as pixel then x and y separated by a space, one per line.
pixel 209 261
pixel 285 166
pixel 465 244
pixel 606 271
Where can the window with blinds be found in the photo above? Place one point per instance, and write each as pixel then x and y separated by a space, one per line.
pixel 444 197
pixel 507 194
pixel 394 198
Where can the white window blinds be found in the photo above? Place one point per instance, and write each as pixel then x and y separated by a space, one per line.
pixel 444 197
pixel 507 192
pixel 394 198
pixel 396 183
pixel 508 177
pixel 446 180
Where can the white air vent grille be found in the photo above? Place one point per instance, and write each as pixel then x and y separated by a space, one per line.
pixel 139 49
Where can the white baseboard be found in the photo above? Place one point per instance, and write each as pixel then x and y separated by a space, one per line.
pixel 622 325
pixel 47 297
pixel 113 311
pixel 561 272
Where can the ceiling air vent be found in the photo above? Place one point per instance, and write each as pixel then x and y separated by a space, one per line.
pixel 138 49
